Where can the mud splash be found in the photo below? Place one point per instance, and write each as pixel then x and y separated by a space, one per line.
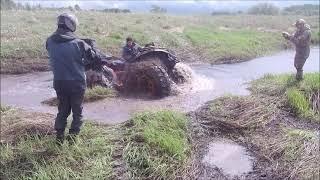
pixel 231 158
pixel 29 90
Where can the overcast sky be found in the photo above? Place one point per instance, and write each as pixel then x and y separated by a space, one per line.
pixel 178 6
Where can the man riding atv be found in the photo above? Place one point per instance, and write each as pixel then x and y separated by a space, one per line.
pixel 131 49
pixel 145 70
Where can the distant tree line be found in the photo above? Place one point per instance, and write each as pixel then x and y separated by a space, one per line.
pixel 271 9
pixel 11 5
pixel 157 9
pixel 306 9
pixel 116 10
pixel 264 9
pixel 258 9
pixel 217 13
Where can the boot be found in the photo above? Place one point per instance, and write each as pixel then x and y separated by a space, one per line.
pixel 72 139
pixel 59 139
pixel 299 75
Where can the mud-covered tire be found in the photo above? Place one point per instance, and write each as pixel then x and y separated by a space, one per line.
pixel 141 74
pixel 181 73
pixel 106 77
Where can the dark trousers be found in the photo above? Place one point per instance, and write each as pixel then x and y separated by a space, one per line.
pixel 70 96
pixel 302 54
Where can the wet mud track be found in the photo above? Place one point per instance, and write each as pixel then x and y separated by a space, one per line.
pixel 29 90
pixel 216 158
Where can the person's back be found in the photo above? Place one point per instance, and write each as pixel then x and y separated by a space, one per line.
pixel 68 56
pixel 65 56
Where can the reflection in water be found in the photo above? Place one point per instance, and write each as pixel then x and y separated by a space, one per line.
pixel 231 158
pixel 209 82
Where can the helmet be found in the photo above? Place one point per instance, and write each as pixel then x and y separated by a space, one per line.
pixel 300 21
pixel 70 21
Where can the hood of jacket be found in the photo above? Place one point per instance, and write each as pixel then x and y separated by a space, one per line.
pixel 62 35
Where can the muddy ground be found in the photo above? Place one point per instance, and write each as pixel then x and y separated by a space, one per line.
pixel 255 123
pixel 29 90
pixel 254 119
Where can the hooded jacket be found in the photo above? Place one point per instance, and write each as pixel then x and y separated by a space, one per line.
pixel 68 56
pixel 128 52
pixel 302 40
pixel 302 37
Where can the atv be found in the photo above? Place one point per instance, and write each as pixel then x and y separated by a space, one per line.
pixel 152 71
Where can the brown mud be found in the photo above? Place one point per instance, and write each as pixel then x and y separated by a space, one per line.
pixel 24 65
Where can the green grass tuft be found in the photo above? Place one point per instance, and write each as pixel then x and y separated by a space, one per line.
pixel 166 146
pixel 298 102
pixel 97 93
pixel 166 130
pixel 302 96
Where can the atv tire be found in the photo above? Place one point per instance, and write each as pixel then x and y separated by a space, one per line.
pixel 149 77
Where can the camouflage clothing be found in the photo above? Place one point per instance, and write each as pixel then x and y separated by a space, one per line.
pixel 301 39
pixel 128 52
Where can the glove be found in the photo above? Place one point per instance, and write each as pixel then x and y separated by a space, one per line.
pixel 286 35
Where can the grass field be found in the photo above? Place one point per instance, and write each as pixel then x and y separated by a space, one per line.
pixel 214 39
pixel 151 145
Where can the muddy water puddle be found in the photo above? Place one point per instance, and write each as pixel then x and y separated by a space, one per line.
pixel 29 90
pixel 232 159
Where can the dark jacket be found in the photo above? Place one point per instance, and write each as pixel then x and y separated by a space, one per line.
pixel 302 40
pixel 129 52
pixel 68 56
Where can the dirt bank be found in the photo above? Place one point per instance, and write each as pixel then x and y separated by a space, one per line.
pixel 23 65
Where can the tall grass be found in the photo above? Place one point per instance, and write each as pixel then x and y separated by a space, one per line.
pixel 153 145
pixel 35 157
pixel 301 96
pixel 299 102
pixel 301 148
pixel 166 147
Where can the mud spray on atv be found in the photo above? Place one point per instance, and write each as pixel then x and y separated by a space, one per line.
pixel 152 72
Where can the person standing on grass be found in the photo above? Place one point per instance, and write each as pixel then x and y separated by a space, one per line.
pixel 302 40
pixel 68 56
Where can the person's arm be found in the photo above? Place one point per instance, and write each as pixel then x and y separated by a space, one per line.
pixel 301 40
pixel 126 54
pixel 89 56
pixel 139 48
